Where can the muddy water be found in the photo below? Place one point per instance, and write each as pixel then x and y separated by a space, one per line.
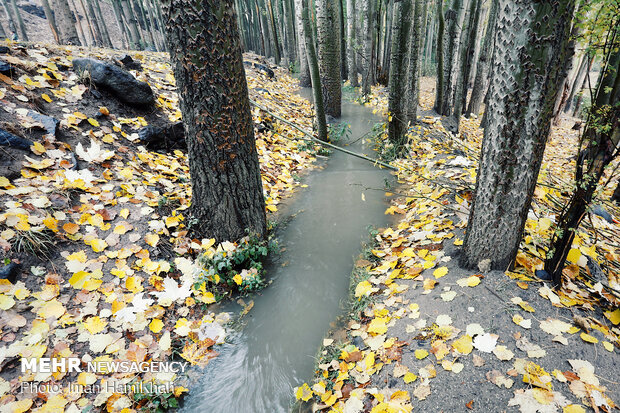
pixel 274 352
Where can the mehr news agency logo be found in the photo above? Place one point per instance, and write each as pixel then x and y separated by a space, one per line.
pixel 74 364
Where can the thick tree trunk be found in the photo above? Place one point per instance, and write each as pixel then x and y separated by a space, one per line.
pixel 23 34
pixel 66 23
pixel 49 16
pixel 313 62
pixel 397 100
pixel 352 44
pixel 304 68
pixel 440 84
pixel 227 193
pixel 413 63
pixel 482 72
pixel 328 28
pixel 523 90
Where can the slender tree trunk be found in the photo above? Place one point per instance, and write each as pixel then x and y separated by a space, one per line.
pixel 227 193
pixel 466 60
pixel 2 33
pixel 367 56
pixel 480 82
pixel 103 25
pixel 304 68
pixel 20 22
pixel 440 84
pixel 602 134
pixel 523 90
pixel 274 32
pixel 9 18
pixel 352 43
pixel 66 23
pixel 95 23
pixel 96 40
pixel 386 54
pixel 413 63
pixel 579 77
pixel 313 62
pixel 118 14
pixel 397 100
pixel 135 41
pixel 328 28
pixel 344 71
pixel 86 41
pixel 582 89
pixel 49 16
pixel 289 18
pixel 452 16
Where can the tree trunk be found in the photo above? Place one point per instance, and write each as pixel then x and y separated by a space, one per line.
pixel 20 22
pixel 290 32
pixel 103 25
pixel 481 80
pixel 66 23
pixel 304 68
pixel 453 32
pixel 49 16
pixel 135 41
pixel 367 56
pixel 582 89
pixel 9 18
pixel 413 63
pixel 602 134
pixel 95 39
pixel 118 14
pixel 352 44
pixel 85 40
pixel 274 32
pixel 579 77
pixel 397 100
pixel 440 84
pixel 523 90
pixel 2 33
pixel 95 23
pixel 466 60
pixel 227 193
pixel 313 62
pixel 328 28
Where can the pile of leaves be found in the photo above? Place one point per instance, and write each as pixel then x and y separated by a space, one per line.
pixel 100 226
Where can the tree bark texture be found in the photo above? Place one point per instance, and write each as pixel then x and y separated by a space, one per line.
pixel 352 43
pixel 49 16
pixel 328 29
pixel 482 72
pixel 304 69
pixel 397 100
pixel 66 23
pixel 532 46
pixel 440 83
pixel 23 34
pixel 227 193
pixel 413 63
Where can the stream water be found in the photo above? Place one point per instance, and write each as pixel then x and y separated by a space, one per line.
pixel 260 365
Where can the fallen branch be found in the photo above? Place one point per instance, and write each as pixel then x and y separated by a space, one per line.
pixel 320 142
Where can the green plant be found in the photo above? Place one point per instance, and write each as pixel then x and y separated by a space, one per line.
pixel 36 243
pixel 155 402
pixel 238 269
pixel 338 132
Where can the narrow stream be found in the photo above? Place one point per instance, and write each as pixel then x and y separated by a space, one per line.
pixel 257 370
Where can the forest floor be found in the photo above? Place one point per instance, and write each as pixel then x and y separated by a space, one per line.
pixel 98 223
pixel 424 334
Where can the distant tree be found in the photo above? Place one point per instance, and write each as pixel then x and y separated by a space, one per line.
pixel 49 16
pixel 352 42
pixel 328 39
pixel 205 49
pixel 440 85
pixel 367 31
pixel 304 69
pixel 23 34
pixel 313 62
pixel 66 23
pixel 522 94
pixel 412 63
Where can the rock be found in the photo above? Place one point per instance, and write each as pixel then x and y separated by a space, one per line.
pixel 484 266
pixel 12 141
pixel 4 50
pixel 129 63
pixel 167 138
pixel 543 275
pixel 50 124
pixel 118 81
pixel 602 212
pixel 595 270
pixel 261 68
pixel 10 272
pixel 5 68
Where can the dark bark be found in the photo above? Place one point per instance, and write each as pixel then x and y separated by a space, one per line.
pixel 532 48
pixel 313 62
pixel 440 86
pixel 482 72
pixel 304 68
pixel 397 120
pixel 602 135
pixel 328 29
pixel 49 16
pixel 227 193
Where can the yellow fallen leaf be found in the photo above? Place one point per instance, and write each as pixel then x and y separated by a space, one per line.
pixel 613 316
pixel 94 325
pixel 573 408
pixel 37 148
pixel 6 302
pixel 237 279
pixel 363 289
pixel 151 239
pixel 410 377
pixel 608 346
pixel 85 378
pixel 421 354
pixel 46 98
pixel 303 392
pixel 588 338
pixel 440 272
pixel 156 325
